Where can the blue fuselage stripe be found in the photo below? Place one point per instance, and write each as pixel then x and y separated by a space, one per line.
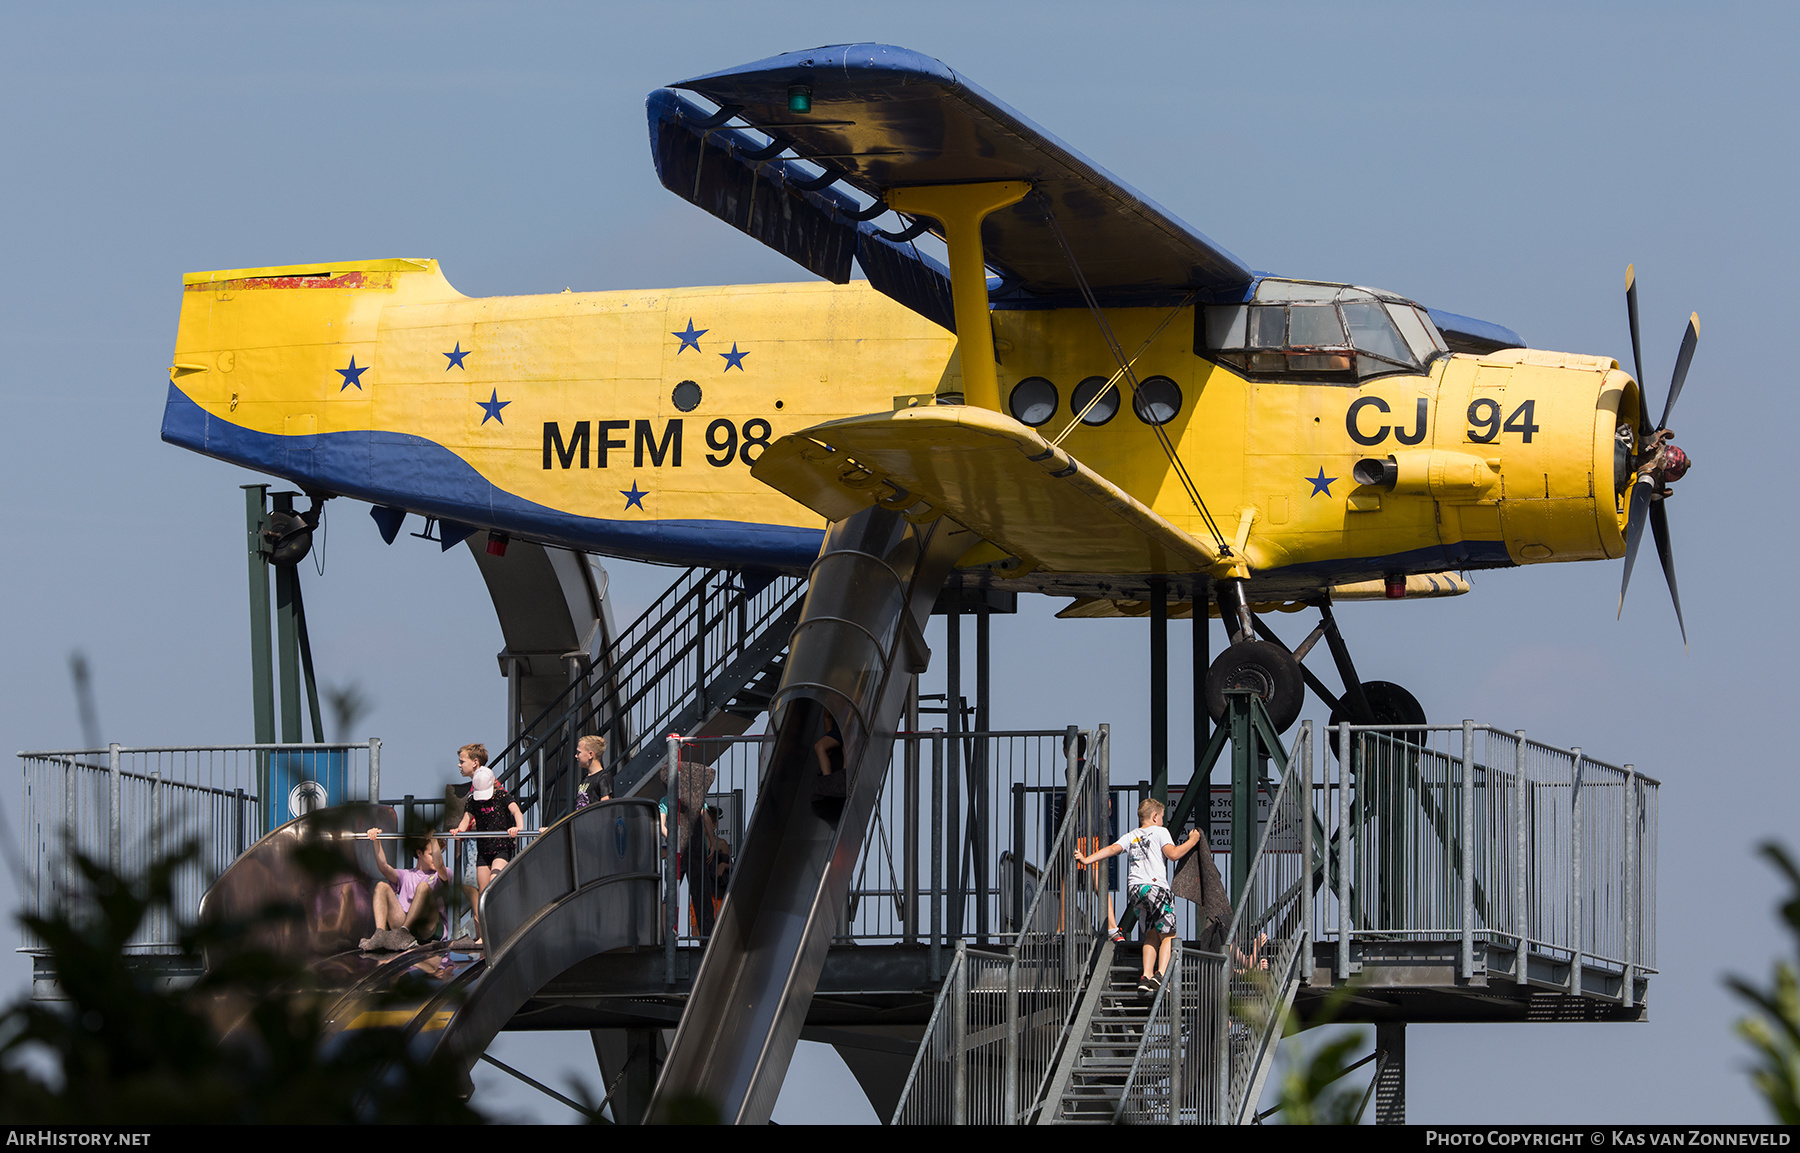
pixel 410 472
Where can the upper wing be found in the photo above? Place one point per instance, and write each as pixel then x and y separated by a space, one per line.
pixel 1466 334
pixel 884 117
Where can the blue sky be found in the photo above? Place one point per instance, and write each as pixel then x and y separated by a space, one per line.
pixel 1502 162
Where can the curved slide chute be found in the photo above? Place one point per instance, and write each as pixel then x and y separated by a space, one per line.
pixel 854 654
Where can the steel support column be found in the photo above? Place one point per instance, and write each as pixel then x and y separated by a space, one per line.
pixel 1390 1073
pixel 262 655
pixel 953 723
pixel 1202 655
pixel 287 638
pixel 1245 759
pixel 1159 690
pixel 909 850
pixel 980 784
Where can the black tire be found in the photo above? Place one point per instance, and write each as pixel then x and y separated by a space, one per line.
pixel 1391 705
pixel 1269 671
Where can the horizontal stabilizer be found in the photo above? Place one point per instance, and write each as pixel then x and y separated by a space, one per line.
pixel 988 472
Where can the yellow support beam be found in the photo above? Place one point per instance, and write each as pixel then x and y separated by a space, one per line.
pixel 960 208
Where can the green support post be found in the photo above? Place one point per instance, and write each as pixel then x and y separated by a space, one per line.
pixel 1245 760
pixel 306 665
pixel 1159 690
pixel 1253 742
pixel 287 638
pixel 262 666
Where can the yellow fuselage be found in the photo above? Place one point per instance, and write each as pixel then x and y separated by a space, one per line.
pixel 625 422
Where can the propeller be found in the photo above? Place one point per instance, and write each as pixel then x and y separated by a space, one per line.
pixel 1658 461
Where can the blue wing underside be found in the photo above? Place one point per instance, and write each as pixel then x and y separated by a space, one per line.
pixel 884 117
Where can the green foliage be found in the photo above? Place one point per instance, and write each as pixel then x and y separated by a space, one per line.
pixel 692 1109
pixel 122 1050
pixel 1313 1090
pixel 1774 1032
pixel 349 705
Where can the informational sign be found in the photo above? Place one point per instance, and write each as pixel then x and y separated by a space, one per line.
pixel 1218 834
pixel 304 781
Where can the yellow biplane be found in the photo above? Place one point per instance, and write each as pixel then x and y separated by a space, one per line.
pixel 1114 407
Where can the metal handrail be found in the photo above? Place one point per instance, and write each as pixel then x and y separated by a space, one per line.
pixel 1056 957
pixel 1528 844
pixel 628 680
pixel 1171 978
pixel 952 978
pixel 1261 1021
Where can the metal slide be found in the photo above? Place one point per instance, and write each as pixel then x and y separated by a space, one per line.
pixel 855 651
pixel 586 885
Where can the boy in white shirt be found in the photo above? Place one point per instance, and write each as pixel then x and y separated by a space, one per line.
pixel 1149 849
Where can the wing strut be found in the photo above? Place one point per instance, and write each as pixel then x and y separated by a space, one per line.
pixel 1125 370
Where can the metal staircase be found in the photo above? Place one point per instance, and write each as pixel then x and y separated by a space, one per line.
pixel 1109 1043
pixel 1198 1052
pixel 702 660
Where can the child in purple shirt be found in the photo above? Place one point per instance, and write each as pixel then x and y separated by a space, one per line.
pixel 407 907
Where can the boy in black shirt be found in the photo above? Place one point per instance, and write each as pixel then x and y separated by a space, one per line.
pixel 597 785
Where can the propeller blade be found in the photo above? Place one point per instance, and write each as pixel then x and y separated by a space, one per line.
pixel 1682 361
pixel 1634 530
pixel 1659 523
pixel 1637 356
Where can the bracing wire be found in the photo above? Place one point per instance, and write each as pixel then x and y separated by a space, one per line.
pixel 1125 372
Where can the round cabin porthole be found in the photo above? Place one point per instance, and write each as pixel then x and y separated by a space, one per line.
pixel 1103 410
pixel 1033 401
pixel 1158 400
pixel 686 396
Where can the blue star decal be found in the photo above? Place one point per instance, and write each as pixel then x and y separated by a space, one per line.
pixel 456 358
pixel 1320 483
pixel 492 407
pixel 689 339
pixel 351 375
pixel 634 498
pixel 734 358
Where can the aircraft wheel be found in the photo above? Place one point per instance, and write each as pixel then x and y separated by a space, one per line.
pixel 1267 670
pixel 1391 705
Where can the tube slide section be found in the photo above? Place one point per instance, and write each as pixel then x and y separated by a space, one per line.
pixel 853 657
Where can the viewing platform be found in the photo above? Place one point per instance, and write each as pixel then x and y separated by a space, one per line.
pixel 1459 873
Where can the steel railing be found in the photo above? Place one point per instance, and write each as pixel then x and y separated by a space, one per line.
pixel 665 662
pixel 125 807
pixel 959 1076
pixel 1481 836
pixel 908 887
pixel 1267 943
pixel 1170 1081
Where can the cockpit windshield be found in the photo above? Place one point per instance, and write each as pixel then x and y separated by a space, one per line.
pixel 1303 330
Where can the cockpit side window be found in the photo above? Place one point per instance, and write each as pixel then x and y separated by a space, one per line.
pixel 1421 335
pixel 1375 334
pixel 1317 332
pixel 1268 326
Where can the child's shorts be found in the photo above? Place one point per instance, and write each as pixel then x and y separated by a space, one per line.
pixel 1155 908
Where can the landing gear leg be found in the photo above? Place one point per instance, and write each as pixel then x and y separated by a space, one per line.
pixel 1354 697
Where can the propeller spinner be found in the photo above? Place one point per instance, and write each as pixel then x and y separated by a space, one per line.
pixel 1658 462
